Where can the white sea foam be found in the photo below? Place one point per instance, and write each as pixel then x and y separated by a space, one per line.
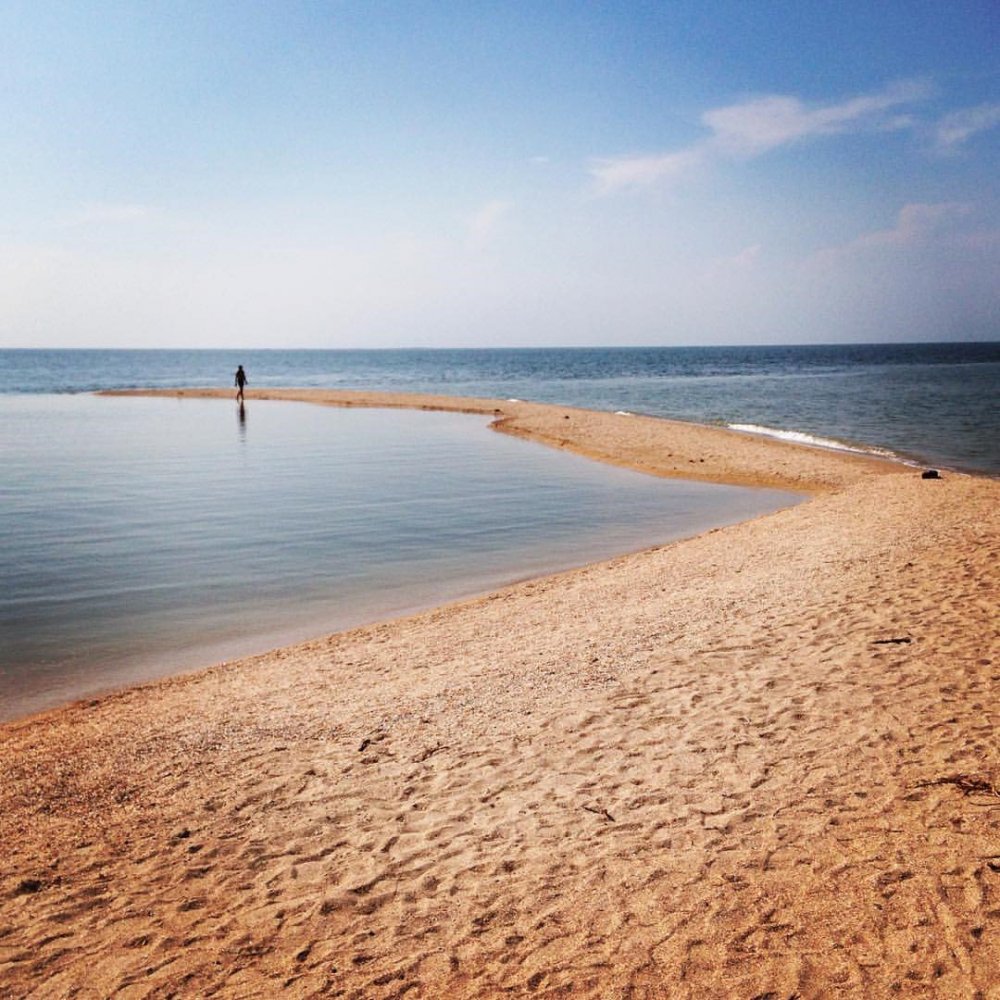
pixel 813 440
pixel 622 413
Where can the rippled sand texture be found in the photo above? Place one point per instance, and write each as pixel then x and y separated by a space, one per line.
pixel 758 763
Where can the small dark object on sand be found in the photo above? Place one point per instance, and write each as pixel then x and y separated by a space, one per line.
pixel 930 474
pixel 28 885
pixel 971 784
pixel 886 642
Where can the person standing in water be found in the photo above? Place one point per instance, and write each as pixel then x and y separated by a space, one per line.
pixel 241 380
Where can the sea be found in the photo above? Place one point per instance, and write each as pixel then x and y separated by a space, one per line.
pixel 144 537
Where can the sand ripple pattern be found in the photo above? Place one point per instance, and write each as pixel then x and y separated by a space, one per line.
pixel 760 763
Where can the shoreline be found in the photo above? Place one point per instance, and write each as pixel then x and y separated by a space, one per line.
pixel 197 656
pixel 762 759
pixel 656 446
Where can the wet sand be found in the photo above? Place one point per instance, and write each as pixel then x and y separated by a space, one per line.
pixel 759 762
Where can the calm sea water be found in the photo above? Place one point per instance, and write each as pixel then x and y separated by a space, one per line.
pixel 935 403
pixel 139 537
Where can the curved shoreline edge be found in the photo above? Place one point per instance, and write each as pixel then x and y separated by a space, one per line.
pixel 759 761
pixel 654 445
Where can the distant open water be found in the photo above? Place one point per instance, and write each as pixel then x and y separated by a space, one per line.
pixel 931 403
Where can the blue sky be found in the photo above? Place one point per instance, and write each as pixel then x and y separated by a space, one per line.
pixel 346 174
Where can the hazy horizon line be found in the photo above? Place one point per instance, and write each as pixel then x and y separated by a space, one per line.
pixel 534 347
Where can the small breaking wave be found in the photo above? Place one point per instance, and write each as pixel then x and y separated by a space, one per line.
pixel 815 441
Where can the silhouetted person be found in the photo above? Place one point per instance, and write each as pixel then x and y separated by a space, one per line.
pixel 241 380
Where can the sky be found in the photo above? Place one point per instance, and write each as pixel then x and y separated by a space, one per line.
pixel 463 173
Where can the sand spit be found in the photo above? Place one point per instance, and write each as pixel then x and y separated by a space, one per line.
pixel 758 763
pixel 650 444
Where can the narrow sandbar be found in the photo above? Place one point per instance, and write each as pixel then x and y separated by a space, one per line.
pixel 759 761
pixel 650 444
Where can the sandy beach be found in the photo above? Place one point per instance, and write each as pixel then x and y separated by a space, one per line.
pixel 758 763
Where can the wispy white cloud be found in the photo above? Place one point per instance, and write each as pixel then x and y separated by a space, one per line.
pixel 733 267
pixel 919 222
pixel 758 126
pixel 931 272
pixel 755 127
pixel 959 126
pixel 623 173
pixel 746 258
pixel 918 226
pixel 486 221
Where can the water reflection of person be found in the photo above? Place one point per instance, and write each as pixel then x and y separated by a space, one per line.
pixel 241 416
pixel 241 380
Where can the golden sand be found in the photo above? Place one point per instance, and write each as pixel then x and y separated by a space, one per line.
pixel 762 762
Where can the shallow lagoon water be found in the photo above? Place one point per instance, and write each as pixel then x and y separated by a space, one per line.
pixel 142 537
pixel 934 403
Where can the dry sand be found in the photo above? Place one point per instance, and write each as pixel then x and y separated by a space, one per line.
pixel 762 762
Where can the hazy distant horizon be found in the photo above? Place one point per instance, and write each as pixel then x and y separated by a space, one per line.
pixel 515 347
